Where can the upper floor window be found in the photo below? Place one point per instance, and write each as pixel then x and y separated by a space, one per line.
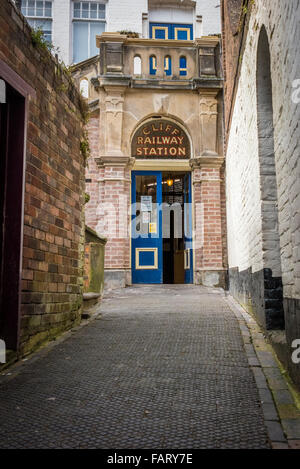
pixel 180 32
pixel 88 22
pixel 168 65
pixel 89 10
pixel 182 67
pixel 39 15
pixel 153 65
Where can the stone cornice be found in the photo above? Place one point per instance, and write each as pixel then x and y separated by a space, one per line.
pixel 112 160
pixel 207 162
pixel 115 80
pixel 206 41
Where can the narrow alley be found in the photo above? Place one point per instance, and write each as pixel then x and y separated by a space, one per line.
pixel 159 367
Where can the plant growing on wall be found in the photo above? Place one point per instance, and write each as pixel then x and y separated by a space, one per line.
pixel 85 146
pixel 131 34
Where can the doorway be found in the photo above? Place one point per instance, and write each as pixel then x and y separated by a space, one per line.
pixel 12 138
pixel 161 227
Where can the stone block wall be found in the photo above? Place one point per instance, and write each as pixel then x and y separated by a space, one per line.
pixel 94 254
pixel 53 232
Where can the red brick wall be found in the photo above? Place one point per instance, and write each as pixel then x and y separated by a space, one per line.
pixel 209 198
pixel 234 20
pixel 54 193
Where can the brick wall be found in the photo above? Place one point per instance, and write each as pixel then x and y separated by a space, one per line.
pixel 249 188
pixel 54 193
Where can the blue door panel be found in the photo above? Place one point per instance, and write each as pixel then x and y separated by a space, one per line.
pixel 146 244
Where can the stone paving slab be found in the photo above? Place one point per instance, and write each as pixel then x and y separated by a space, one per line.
pixel 164 367
pixel 282 415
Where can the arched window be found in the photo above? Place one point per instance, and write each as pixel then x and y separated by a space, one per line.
pixel 182 66
pixel 153 65
pixel 137 65
pixel 168 65
pixel 84 88
pixel 268 180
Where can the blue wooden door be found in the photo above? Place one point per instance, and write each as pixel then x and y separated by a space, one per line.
pixel 146 227
pixel 188 230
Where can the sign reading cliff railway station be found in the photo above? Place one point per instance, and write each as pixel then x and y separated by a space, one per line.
pixel 160 139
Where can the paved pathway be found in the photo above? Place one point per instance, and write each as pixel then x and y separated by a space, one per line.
pixel 163 367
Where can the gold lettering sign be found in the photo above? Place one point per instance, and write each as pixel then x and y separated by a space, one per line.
pixel 160 139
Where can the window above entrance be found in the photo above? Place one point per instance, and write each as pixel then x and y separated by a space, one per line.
pixel 180 32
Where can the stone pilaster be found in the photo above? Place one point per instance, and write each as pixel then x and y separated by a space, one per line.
pixel 114 102
pixel 208 114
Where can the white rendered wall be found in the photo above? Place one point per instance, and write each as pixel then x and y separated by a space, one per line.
pixel 281 19
pixel 128 15
pixel 211 16
pixel 62 28
pixel 171 15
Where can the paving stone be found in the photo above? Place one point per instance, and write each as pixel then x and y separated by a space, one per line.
pixel 276 445
pixel 269 411
pixel 165 367
pixel 275 379
pixel 283 396
pixel 288 411
pixel 292 428
pixel 253 361
pixel 265 396
pixel 294 444
pixel 266 359
pixel 275 431
pixel 259 377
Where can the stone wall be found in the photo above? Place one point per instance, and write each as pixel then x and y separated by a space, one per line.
pixel 53 229
pixel 94 254
pixel 263 169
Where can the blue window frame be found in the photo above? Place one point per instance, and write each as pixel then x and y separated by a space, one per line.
pixel 153 65
pixel 180 32
pixel 168 65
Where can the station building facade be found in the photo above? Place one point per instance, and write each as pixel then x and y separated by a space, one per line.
pixel 155 175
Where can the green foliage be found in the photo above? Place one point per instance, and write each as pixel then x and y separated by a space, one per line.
pixel 84 109
pixel 64 82
pixel 87 197
pixel 85 146
pixel 129 33
pixel 38 40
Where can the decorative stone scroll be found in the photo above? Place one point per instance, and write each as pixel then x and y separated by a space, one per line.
pixel 160 139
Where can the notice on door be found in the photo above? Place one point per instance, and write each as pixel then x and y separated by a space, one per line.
pixel 160 139
pixel 152 228
pixel 146 203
